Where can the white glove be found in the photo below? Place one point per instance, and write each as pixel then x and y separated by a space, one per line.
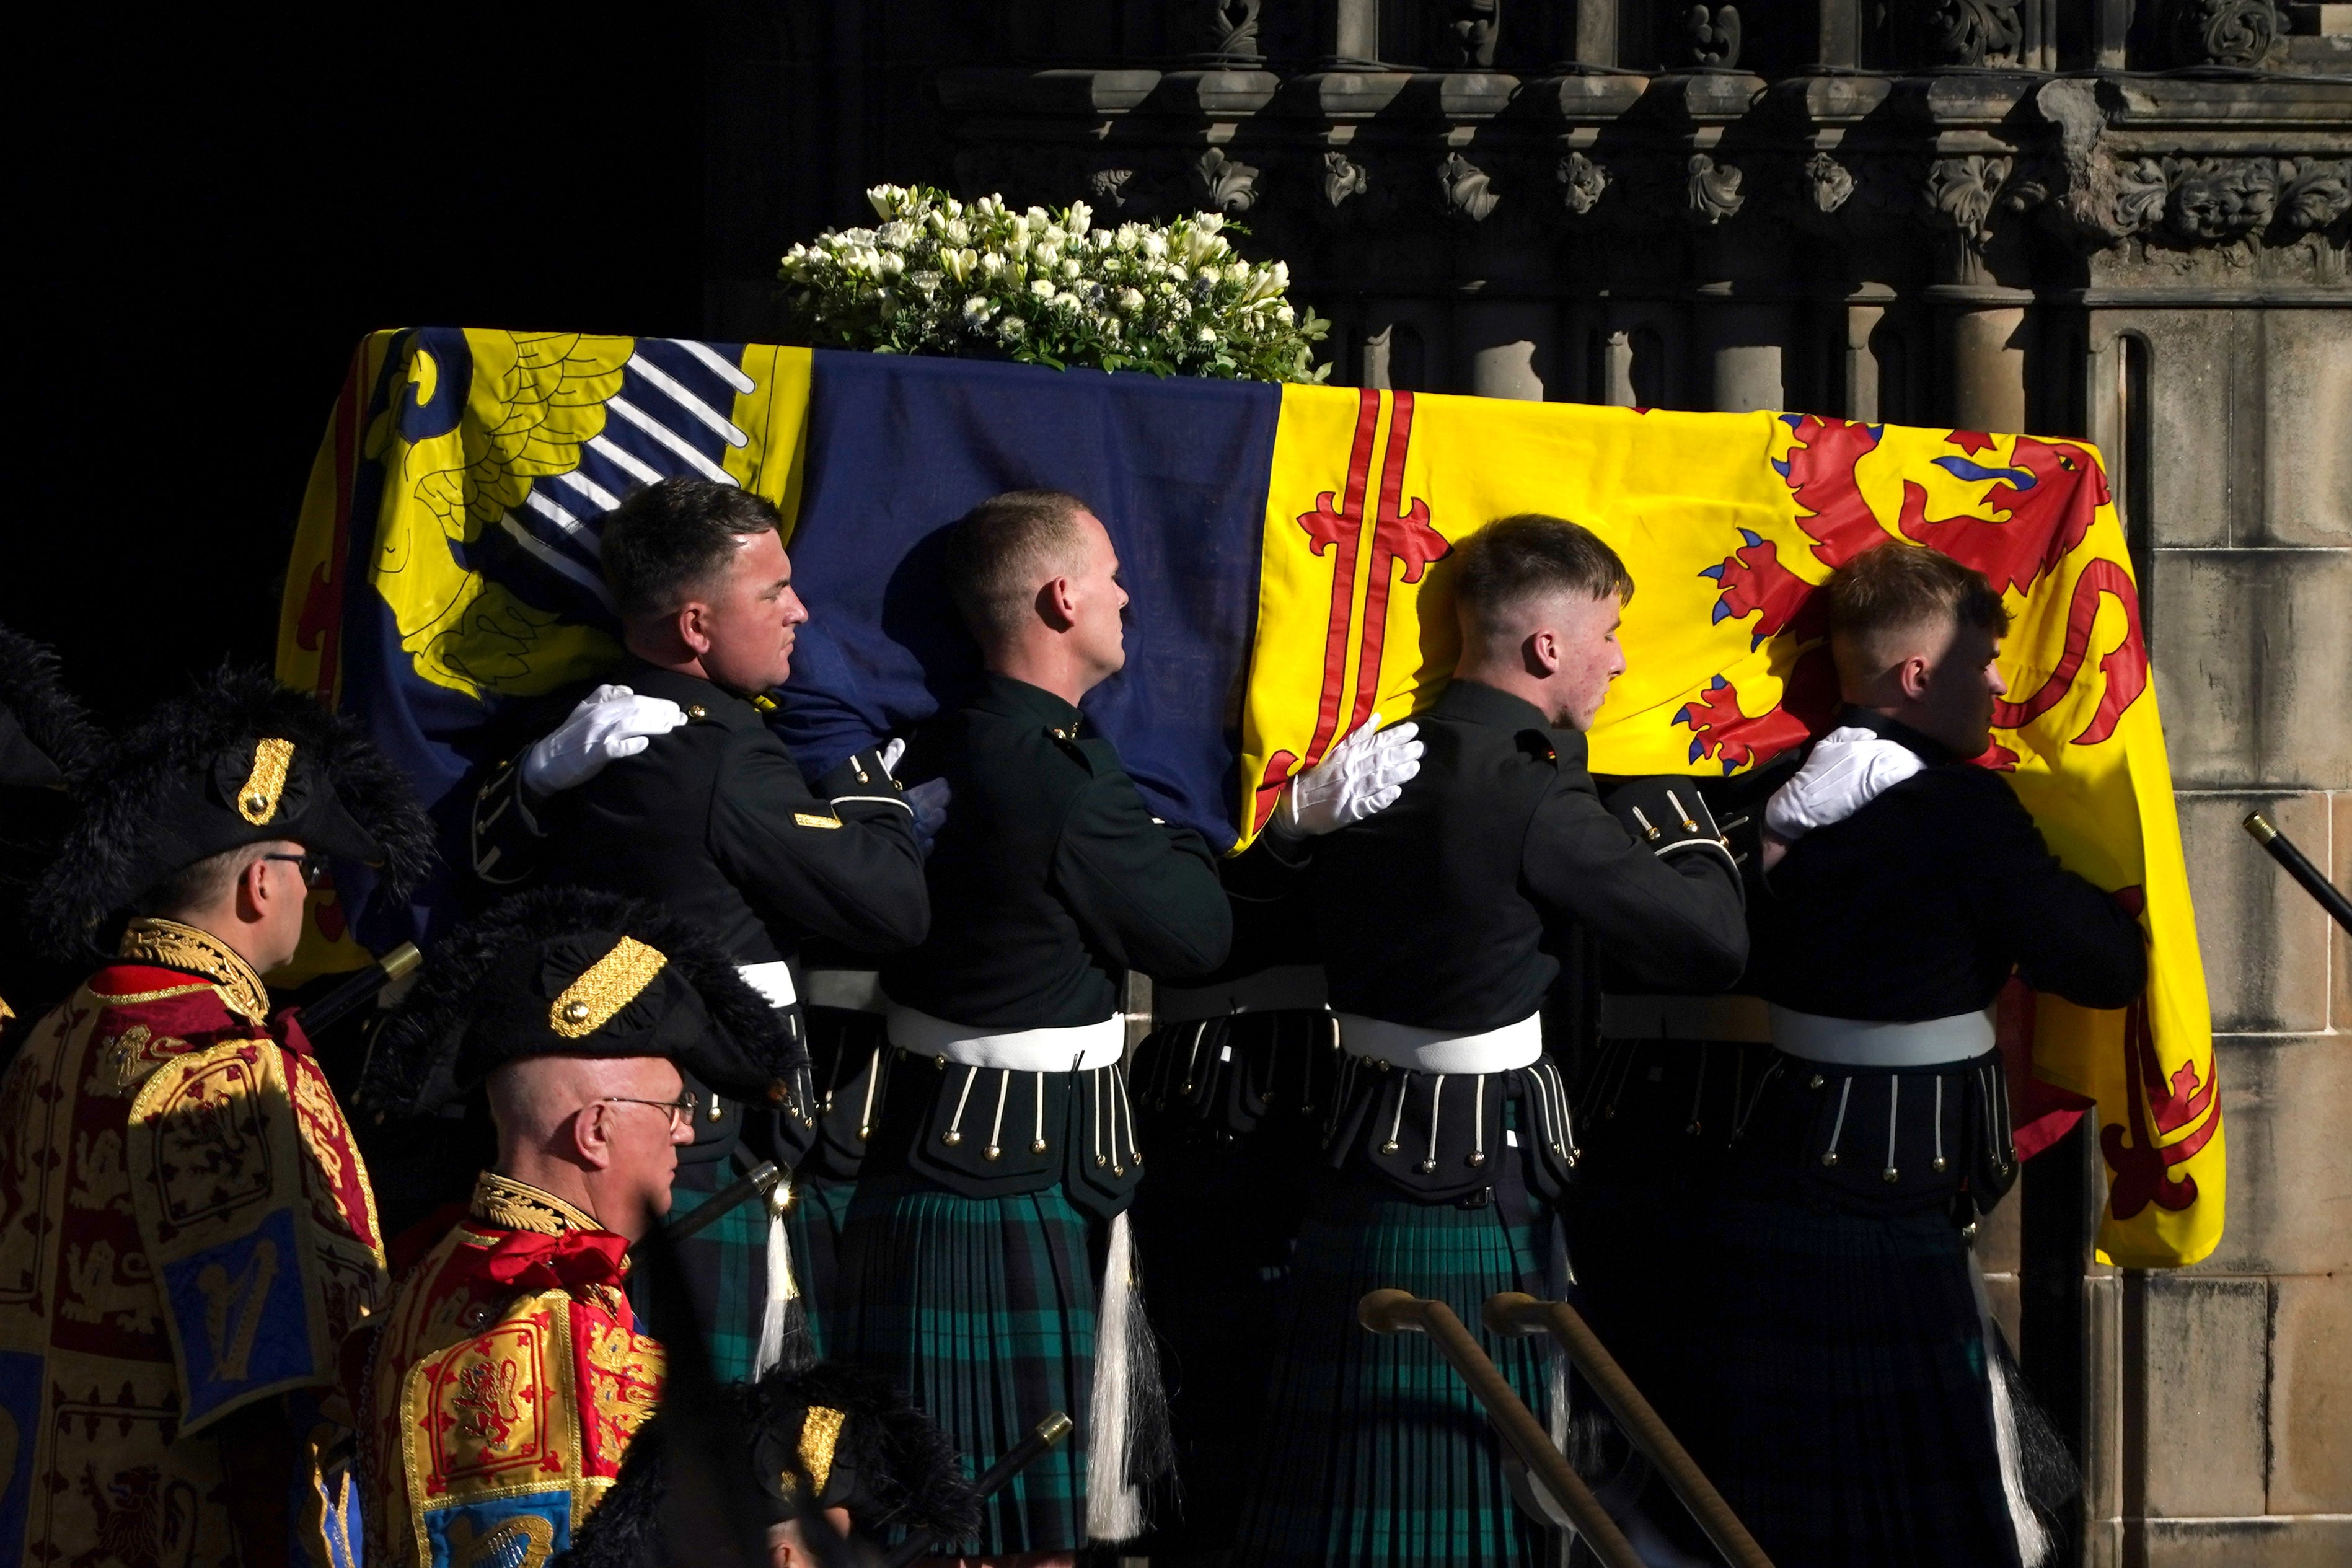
pixel 890 755
pixel 609 723
pixel 1848 769
pixel 1361 775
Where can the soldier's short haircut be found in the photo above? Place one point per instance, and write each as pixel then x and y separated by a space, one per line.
pixel 1510 563
pixel 1000 551
pixel 1891 590
pixel 196 888
pixel 669 541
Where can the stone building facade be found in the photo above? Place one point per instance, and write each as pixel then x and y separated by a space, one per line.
pixel 2122 219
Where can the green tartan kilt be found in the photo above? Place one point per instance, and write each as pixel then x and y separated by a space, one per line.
pixel 1375 1454
pixel 984 1311
pixel 813 1225
pixel 726 1270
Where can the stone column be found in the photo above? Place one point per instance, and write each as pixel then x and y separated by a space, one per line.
pixel 1985 343
pixel 1858 367
pixel 1508 348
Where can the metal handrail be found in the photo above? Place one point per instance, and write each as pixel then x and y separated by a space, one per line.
pixel 1511 1313
pixel 1397 1311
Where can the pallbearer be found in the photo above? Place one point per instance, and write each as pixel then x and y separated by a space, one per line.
pixel 186 1228
pixel 1859 1419
pixel 504 1384
pixel 1438 920
pixel 1007 1150
pixel 667 783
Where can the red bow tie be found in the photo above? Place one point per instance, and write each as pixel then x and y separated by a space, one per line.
pixel 529 1260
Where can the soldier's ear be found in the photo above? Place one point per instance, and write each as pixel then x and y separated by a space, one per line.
pixel 591 1134
pixel 1056 606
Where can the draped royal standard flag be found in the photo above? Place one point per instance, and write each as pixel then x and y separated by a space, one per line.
pixel 1287 551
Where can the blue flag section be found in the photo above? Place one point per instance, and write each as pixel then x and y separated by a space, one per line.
pixel 900 447
pixel 443 584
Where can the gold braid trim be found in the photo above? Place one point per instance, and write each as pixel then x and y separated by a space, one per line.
pixel 609 985
pixel 177 946
pixel 820 1434
pixel 510 1204
pixel 258 801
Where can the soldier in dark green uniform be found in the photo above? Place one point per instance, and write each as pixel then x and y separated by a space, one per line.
pixel 992 1198
pixel 1440 921
pixel 668 784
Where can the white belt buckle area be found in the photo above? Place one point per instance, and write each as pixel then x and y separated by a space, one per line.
pixel 1418 1049
pixel 1867 1043
pixel 1077 1047
pixel 1284 986
pixel 772 980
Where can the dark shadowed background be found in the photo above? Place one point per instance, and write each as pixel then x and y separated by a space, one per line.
pixel 210 214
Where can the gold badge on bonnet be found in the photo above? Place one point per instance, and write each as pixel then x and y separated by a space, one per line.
pixel 606 987
pixel 258 801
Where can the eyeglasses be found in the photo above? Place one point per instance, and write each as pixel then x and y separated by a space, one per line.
pixel 681 1110
pixel 313 865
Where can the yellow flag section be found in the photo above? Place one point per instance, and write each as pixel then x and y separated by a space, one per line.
pixel 459 463
pixel 1730 523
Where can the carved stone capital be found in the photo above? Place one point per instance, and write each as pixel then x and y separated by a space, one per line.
pixel 2221 32
pixel 1224 183
pixel 1712 190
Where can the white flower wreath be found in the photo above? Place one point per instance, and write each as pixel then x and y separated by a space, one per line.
pixel 943 277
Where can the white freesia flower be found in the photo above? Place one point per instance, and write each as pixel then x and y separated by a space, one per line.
pixel 1130 300
pixel 976 311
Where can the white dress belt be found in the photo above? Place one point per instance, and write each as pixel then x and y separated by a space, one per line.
pixel 1745 1019
pixel 1077 1047
pixel 851 990
pixel 1286 985
pixel 1862 1043
pixel 772 980
pixel 1442 1050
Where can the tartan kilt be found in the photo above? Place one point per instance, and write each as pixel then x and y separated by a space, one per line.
pixel 1850 1365
pixel 1375 1453
pixel 984 1311
pixel 813 1227
pixel 726 1271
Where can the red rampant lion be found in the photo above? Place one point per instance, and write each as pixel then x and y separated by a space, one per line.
pixel 2044 501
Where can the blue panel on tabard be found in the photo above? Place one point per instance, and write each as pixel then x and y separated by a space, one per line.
pixel 900 447
pixel 20 1432
pixel 508 1533
pixel 240 1313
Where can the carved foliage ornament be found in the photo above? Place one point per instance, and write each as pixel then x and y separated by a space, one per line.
pixel 1713 36
pixel 1343 177
pixel 2222 32
pixel 1227 27
pixel 1582 182
pixel 1973 32
pixel 2211 200
pixel 1469 193
pixel 1961 190
pixel 1475 26
pixel 1225 185
pixel 1829 181
pixel 1714 190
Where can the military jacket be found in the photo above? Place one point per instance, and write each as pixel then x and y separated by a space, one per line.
pixel 1051 877
pixel 185 1230
pixel 715 821
pixel 502 1388
pixel 1049 881
pixel 1446 911
pixel 1951 859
